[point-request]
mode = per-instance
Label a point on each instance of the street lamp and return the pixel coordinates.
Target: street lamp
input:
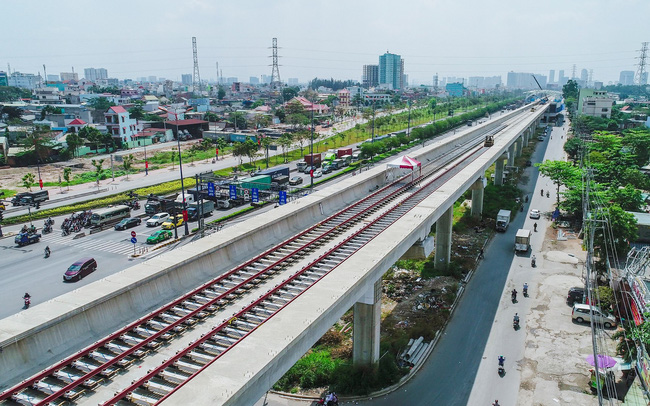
(180, 167)
(311, 149)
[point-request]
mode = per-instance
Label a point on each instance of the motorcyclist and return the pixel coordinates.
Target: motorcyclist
(514, 294)
(26, 296)
(516, 319)
(496, 403)
(541, 192)
(502, 360)
(47, 251)
(535, 227)
(49, 220)
(547, 194)
(525, 289)
(24, 229)
(533, 260)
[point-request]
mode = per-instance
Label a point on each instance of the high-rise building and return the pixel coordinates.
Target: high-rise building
(93, 74)
(4, 79)
(266, 79)
(152, 79)
(584, 75)
(370, 76)
(186, 79)
(292, 81)
(52, 78)
(65, 76)
(391, 71)
(626, 78)
(523, 80)
(561, 79)
(24, 80)
(551, 76)
(254, 80)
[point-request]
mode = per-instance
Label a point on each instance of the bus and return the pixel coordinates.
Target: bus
(110, 215)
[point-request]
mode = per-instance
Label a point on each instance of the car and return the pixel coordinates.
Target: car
(128, 223)
(318, 173)
(296, 180)
(327, 169)
(534, 214)
(157, 219)
(159, 236)
(540, 138)
(169, 223)
(584, 312)
(575, 294)
(529, 163)
(308, 169)
(80, 269)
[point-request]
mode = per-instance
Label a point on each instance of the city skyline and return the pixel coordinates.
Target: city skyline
(321, 40)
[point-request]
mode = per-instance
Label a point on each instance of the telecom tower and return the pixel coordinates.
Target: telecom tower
(275, 72)
(196, 81)
(641, 73)
(573, 74)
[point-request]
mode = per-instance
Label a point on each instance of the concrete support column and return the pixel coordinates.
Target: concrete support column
(477, 197)
(443, 239)
(518, 143)
(511, 155)
(524, 138)
(367, 321)
(498, 171)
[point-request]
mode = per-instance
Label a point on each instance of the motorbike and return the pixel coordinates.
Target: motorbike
(547, 194)
(502, 369)
(525, 290)
(541, 192)
(136, 205)
(513, 296)
(535, 227)
(47, 228)
(47, 252)
(27, 302)
(533, 262)
(515, 323)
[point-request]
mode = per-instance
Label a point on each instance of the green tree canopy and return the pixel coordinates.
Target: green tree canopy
(560, 173)
(100, 103)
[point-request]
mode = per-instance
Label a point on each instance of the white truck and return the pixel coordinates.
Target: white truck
(503, 219)
(522, 240)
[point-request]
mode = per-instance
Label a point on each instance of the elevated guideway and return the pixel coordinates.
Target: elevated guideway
(44, 334)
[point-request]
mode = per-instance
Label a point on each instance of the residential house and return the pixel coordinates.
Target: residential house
(120, 125)
(309, 106)
(344, 97)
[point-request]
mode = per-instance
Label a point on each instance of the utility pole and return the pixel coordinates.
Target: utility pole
(311, 149)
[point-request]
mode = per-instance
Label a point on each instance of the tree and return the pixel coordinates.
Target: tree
(289, 93)
(98, 168)
(100, 103)
(370, 149)
(627, 197)
(570, 90)
(560, 173)
(39, 141)
(221, 93)
(28, 181)
(612, 221)
(74, 141)
(301, 137)
(66, 176)
(573, 146)
(238, 119)
(11, 93)
(127, 163)
(13, 113)
(266, 143)
(251, 149)
(285, 142)
(136, 112)
(92, 135)
(239, 151)
(50, 110)
(433, 103)
(210, 116)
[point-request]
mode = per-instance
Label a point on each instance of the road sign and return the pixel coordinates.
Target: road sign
(211, 189)
(233, 191)
(134, 240)
(256, 195)
(247, 194)
(133, 234)
(283, 197)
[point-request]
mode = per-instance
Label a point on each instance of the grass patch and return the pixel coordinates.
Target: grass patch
(7, 193)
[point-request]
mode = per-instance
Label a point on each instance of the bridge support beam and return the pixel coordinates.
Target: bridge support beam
(498, 171)
(367, 321)
(524, 138)
(511, 155)
(477, 197)
(519, 148)
(421, 249)
(443, 239)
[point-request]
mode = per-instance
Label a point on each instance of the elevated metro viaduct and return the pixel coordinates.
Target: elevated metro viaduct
(46, 333)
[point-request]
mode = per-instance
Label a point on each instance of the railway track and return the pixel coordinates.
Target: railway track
(285, 268)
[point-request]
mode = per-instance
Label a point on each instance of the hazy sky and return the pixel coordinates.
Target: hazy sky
(332, 38)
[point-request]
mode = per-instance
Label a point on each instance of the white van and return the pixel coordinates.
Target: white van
(582, 313)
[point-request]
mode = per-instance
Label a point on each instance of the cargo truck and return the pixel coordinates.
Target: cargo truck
(262, 182)
(347, 159)
(313, 160)
(205, 209)
(503, 219)
(275, 172)
(30, 198)
(343, 152)
(280, 183)
(338, 164)
(329, 156)
(522, 240)
(158, 204)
